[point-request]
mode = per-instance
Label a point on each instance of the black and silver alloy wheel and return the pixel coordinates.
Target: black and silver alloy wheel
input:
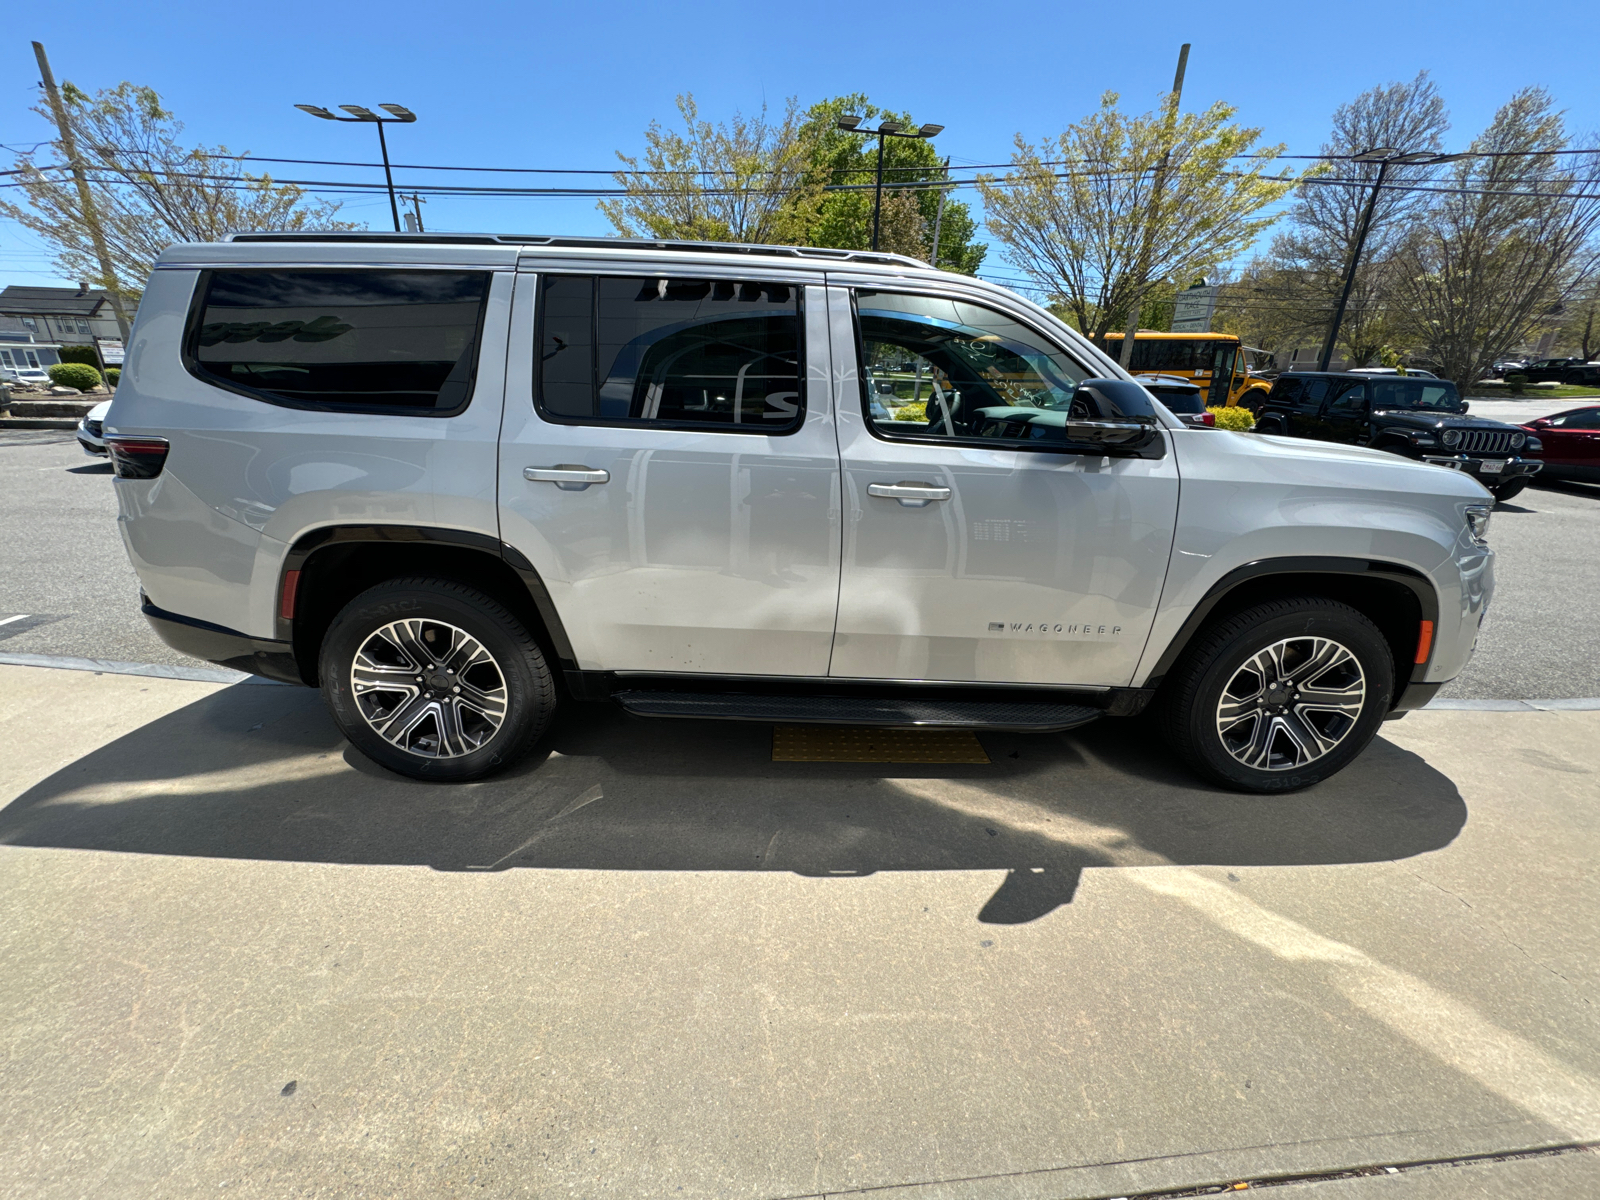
(1279, 696)
(428, 688)
(434, 679)
(1291, 703)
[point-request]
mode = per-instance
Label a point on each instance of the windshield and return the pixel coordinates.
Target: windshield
(1434, 395)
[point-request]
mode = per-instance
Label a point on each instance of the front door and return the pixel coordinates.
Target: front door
(980, 546)
(669, 466)
(1347, 417)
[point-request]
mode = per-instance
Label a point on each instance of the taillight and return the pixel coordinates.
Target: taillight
(1209, 418)
(137, 457)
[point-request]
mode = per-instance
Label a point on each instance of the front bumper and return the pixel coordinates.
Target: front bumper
(92, 438)
(1511, 468)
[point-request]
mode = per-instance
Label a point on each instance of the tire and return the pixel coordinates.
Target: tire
(483, 697)
(1504, 491)
(1300, 744)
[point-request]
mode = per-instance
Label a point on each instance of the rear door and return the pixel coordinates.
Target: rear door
(668, 464)
(980, 545)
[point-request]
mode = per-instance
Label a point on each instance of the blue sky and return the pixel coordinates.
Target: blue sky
(498, 84)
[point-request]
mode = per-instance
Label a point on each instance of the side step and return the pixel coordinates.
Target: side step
(892, 712)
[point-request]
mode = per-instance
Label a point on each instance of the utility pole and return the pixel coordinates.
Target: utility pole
(85, 201)
(413, 218)
(938, 217)
(1143, 283)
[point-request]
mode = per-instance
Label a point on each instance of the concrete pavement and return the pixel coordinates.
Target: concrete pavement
(651, 961)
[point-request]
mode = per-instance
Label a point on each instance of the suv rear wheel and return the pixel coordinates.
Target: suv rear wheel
(1280, 696)
(435, 680)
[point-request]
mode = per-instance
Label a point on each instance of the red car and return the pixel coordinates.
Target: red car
(1571, 444)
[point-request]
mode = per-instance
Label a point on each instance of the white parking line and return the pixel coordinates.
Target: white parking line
(18, 617)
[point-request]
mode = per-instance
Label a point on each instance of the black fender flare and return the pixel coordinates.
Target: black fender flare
(1409, 577)
(308, 543)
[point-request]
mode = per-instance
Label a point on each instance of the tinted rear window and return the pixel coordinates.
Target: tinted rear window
(364, 340)
(714, 354)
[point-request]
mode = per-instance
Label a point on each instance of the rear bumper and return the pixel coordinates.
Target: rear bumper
(222, 646)
(1514, 467)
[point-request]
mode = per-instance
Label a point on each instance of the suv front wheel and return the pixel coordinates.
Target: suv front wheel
(1280, 696)
(435, 680)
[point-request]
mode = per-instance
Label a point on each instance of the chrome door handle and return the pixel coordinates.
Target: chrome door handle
(566, 476)
(911, 495)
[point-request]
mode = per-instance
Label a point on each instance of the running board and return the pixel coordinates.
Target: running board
(892, 712)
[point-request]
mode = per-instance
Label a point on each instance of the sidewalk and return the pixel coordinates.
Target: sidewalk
(240, 960)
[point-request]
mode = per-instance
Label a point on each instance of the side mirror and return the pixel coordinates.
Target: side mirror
(1465, 407)
(1113, 412)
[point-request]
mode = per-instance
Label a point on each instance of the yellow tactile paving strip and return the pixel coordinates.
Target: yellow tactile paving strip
(842, 743)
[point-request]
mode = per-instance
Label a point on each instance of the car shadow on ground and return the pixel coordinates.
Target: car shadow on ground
(91, 468)
(259, 772)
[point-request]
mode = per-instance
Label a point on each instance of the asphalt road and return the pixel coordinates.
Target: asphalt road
(63, 565)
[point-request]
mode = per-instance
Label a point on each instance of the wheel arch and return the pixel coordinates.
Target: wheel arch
(327, 567)
(1395, 597)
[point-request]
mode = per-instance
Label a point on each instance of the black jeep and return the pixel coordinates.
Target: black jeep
(1419, 418)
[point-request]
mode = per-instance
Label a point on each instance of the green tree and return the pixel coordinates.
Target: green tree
(1116, 202)
(148, 190)
(1488, 262)
(1314, 255)
(838, 209)
(743, 180)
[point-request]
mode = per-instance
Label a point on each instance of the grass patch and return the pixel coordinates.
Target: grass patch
(1532, 391)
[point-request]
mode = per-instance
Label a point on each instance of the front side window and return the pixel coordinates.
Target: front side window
(949, 369)
(1437, 395)
(699, 353)
(1351, 400)
(351, 340)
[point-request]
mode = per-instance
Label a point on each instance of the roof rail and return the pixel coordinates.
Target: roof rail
(586, 243)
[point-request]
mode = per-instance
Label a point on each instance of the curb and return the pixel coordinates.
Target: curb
(104, 666)
(1587, 704)
(37, 423)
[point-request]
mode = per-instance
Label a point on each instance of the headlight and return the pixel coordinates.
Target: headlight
(1517, 439)
(1451, 437)
(1478, 522)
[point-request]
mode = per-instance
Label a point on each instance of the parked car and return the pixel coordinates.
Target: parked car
(1550, 370)
(457, 481)
(1585, 375)
(1571, 442)
(1410, 372)
(1183, 399)
(1425, 419)
(91, 430)
(32, 376)
(1504, 367)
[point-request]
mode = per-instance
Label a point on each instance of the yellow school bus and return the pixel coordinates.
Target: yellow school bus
(1215, 361)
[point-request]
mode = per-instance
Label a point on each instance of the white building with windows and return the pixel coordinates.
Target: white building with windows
(67, 316)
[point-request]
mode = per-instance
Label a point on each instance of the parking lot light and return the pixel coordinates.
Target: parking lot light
(885, 129)
(399, 115)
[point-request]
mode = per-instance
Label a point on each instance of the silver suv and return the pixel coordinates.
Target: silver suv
(456, 481)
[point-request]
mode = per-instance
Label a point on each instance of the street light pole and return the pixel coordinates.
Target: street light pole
(400, 115)
(885, 129)
(877, 190)
(388, 176)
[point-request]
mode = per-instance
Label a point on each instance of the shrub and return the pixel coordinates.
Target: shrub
(80, 354)
(113, 374)
(74, 375)
(1516, 383)
(1235, 418)
(911, 412)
